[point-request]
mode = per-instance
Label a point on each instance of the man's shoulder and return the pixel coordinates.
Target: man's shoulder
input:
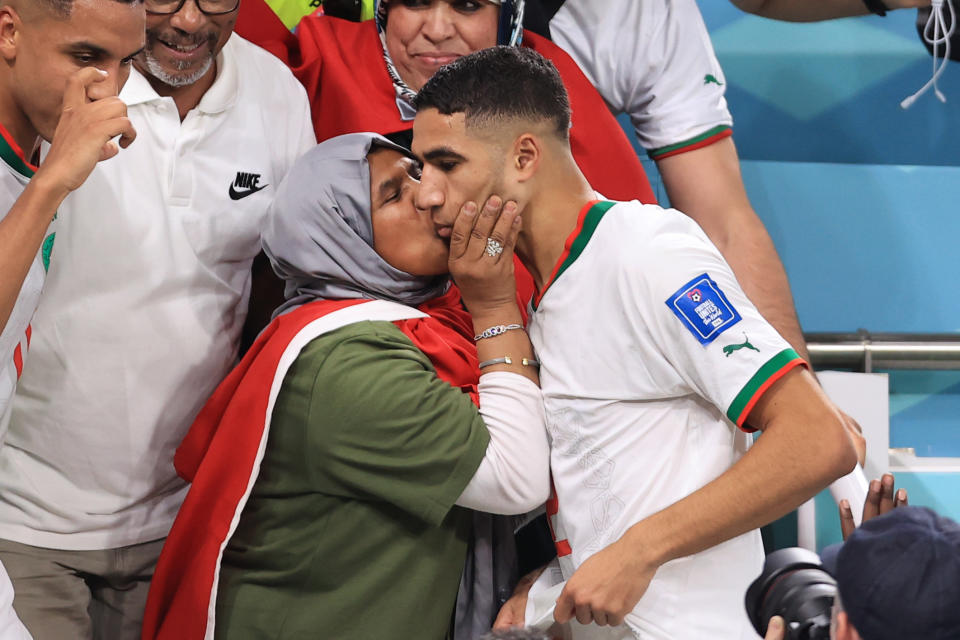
(245, 52)
(634, 222)
(645, 238)
(266, 85)
(259, 64)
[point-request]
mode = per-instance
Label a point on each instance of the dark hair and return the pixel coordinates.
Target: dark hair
(499, 82)
(64, 8)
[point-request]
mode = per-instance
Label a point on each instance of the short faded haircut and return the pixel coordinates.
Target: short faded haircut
(499, 83)
(63, 8)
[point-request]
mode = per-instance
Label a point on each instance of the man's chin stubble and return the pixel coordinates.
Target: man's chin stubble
(158, 71)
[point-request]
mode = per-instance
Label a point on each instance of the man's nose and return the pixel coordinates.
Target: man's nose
(189, 18)
(109, 86)
(428, 196)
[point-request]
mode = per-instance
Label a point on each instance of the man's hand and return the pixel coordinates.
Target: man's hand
(481, 255)
(607, 586)
(776, 629)
(856, 435)
(513, 612)
(880, 499)
(84, 133)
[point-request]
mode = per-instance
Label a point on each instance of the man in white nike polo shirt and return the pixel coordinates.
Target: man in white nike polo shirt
(141, 319)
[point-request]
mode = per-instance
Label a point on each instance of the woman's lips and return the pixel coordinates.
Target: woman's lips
(436, 58)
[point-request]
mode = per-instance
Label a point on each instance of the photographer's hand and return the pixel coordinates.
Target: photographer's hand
(880, 499)
(776, 629)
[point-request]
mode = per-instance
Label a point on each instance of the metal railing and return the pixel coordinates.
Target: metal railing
(865, 351)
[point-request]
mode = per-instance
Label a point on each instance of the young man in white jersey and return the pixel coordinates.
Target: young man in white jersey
(654, 365)
(63, 63)
(140, 319)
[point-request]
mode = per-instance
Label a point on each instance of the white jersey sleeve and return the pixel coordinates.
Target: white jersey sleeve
(653, 60)
(706, 326)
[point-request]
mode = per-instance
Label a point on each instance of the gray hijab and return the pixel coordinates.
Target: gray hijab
(319, 235)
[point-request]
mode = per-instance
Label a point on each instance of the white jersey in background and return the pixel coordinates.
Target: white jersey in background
(144, 305)
(653, 60)
(651, 356)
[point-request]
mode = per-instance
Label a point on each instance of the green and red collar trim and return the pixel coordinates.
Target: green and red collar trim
(590, 216)
(12, 154)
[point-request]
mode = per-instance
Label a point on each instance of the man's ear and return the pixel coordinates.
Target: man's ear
(10, 25)
(527, 155)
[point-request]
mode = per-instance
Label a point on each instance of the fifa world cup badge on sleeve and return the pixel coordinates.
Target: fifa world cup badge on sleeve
(703, 309)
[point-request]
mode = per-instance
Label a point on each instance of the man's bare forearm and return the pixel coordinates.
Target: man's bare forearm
(754, 260)
(803, 449)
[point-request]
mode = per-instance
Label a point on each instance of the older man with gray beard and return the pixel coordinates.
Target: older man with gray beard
(140, 320)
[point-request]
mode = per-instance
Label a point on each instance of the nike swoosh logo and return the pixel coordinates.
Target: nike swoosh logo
(239, 195)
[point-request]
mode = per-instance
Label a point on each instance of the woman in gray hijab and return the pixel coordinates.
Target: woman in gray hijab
(336, 471)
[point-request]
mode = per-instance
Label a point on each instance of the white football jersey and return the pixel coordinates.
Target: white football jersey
(651, 357)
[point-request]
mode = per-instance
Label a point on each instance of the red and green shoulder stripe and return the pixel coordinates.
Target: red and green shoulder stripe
(774, 369)
(705, 139)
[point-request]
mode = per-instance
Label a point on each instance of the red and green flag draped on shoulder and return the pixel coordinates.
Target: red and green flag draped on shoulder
(222, 452)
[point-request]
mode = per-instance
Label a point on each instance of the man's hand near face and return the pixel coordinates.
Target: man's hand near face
(82, 138)
(84, 134)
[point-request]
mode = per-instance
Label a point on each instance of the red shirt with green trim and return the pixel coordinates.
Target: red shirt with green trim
(651, 358)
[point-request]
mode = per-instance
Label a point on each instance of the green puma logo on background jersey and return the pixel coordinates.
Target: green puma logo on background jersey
(730, 348)
(707, 79)
(46, 250)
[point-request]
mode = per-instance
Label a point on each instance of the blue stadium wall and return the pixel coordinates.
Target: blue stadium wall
(861, 197)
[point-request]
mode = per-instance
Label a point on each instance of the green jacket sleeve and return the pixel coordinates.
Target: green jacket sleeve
(380, 425)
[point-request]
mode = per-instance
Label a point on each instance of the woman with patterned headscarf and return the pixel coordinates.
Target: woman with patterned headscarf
(334, 470)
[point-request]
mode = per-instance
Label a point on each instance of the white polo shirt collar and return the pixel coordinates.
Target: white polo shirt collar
(221, 95)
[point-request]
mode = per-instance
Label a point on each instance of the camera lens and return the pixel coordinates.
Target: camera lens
(795, 586)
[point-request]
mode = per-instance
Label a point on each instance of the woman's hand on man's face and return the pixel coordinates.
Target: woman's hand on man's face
(481, 255)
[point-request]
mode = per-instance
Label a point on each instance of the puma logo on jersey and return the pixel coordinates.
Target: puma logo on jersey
(245, 184)
(730, 348)
(707, 79)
